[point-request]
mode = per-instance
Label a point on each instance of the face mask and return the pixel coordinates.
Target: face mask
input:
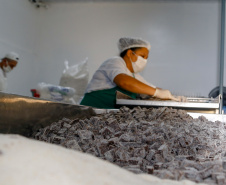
(7, 68)
(139, 65)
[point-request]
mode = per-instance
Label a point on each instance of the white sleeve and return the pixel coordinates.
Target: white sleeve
(140, 78)
(114, 67)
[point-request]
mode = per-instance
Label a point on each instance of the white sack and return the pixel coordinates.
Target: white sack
(29, 162)
(77, 77)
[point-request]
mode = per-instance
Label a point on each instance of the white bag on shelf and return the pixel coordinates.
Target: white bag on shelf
(77, 77)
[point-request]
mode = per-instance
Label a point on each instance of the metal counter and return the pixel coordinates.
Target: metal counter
(210, 117)
(201, 105)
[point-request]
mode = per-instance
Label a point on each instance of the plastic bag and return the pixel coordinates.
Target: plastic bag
(54, 92)
(77, 77)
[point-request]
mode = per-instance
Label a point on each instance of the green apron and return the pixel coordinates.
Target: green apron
(104, 99)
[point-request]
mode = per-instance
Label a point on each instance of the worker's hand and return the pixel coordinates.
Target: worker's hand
(164, 94)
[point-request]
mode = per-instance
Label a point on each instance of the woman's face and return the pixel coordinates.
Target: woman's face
(143, 52)
(10, 62)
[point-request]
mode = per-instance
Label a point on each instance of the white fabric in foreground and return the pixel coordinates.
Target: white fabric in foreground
(29, 162)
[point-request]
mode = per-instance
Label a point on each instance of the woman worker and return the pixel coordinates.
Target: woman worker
(122, 74)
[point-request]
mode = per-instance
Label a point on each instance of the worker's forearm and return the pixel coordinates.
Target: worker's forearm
(133, 85)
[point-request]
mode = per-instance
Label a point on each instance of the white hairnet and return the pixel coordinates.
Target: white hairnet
(128, 42)
(12, 56)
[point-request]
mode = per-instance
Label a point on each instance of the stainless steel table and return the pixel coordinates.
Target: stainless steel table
(201, 105)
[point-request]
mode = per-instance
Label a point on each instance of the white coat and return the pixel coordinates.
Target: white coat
(103, 78)
(3, 81)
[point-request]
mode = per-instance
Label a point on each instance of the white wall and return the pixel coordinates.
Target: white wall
(19, 30)
(184, 37)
